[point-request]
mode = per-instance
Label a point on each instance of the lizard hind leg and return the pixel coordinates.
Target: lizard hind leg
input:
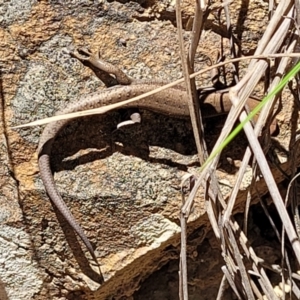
(134, 118)
(101, 68)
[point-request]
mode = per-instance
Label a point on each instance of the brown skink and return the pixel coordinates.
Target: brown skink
(172, 101)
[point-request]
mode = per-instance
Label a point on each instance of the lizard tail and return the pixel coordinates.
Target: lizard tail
(47, 177)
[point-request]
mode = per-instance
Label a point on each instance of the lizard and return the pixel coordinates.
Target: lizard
(172, 101)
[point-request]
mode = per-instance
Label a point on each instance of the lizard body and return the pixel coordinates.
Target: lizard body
(172, 101)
